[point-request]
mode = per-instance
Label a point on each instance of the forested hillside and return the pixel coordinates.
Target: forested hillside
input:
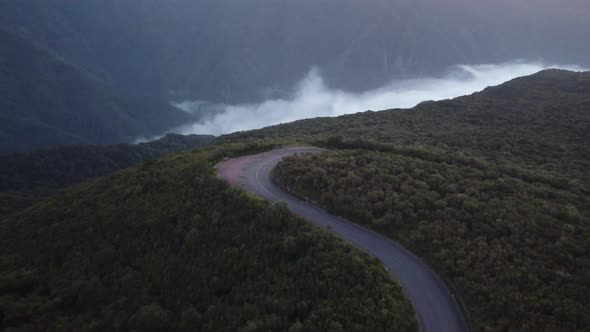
(168, 247)
(27, 178)
(513, 246)
(491, 189)
(47, 101)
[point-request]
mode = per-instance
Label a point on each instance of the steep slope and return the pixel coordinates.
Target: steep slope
(27, 178)
(46, 101)
(168, 247)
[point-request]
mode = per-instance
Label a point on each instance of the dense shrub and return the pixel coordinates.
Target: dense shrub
(515, 249)
(167, 246)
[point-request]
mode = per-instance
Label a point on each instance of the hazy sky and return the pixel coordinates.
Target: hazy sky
(313, 98)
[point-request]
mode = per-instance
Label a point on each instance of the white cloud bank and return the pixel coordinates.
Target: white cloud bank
(313, 98)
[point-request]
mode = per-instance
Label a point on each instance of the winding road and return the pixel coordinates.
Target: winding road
(436, 307)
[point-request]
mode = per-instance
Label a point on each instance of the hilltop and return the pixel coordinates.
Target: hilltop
(538, 122)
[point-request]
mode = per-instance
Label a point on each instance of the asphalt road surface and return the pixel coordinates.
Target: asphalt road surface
(436, 307)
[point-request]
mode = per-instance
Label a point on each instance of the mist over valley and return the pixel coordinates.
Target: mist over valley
(312, 98)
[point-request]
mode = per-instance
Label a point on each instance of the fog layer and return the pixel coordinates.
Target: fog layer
(312, 98)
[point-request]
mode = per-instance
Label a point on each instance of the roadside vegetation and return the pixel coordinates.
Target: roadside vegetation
(514, 247)
(166, 246)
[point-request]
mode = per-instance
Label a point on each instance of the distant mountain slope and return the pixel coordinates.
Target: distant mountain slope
(167, 246)
(26, 178)
(104, 71)
(46, 101)
(233, 50)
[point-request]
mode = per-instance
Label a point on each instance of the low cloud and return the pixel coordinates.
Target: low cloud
(312, 98)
